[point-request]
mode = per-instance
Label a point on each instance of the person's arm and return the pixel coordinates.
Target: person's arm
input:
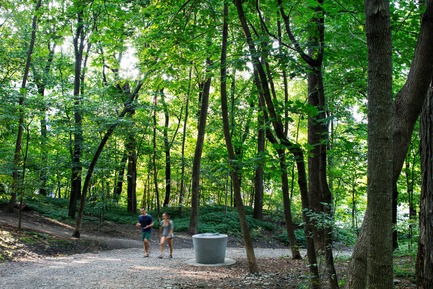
(149, 226)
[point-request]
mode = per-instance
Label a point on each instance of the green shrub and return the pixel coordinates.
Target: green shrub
(300, 237)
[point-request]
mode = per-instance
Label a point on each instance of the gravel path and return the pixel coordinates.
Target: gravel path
(123, 268)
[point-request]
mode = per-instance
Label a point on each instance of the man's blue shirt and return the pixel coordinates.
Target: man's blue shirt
(145, 221)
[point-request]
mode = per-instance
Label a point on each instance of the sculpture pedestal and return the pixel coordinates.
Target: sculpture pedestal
(210, 248)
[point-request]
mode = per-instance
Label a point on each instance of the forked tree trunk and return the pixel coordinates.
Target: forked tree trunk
(262, 84)
(406, 109)
(408, 102)
(128, 109)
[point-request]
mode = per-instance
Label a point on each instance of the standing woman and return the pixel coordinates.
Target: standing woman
(167, 228)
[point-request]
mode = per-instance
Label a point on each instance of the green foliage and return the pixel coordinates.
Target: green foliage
(212, 219)
(405, 263)
(300, 237)
(344, 235)
(165, 46)
(56, 208)
(218, 219)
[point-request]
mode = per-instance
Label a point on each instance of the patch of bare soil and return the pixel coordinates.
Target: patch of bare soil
(274, 273)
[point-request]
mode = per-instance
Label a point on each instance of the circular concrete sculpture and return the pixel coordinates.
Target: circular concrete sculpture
(209, 248)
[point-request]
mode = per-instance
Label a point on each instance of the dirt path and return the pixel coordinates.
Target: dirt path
(126, 268)
(117, 260)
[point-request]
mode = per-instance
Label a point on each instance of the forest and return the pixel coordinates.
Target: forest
(319, 112)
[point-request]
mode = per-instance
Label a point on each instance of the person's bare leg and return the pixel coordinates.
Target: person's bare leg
(170, 244)
(161, 246)
(146, 247)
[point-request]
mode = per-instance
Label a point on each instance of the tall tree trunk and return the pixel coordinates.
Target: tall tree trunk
(132, 172)
(258, 180)
(41, 82)
(120, 176)
(424, 263)
(43, 175)
(195, 195)
(155, 169)
(232, 158)
(21, 197)
(379, 228)
(287, 205)
(410, 180)
(77, 166)
(319, 193)
(379, 191)
(406, 109)
(408, 102)
(128, 109)
(167, 147)
(286, 195)
(185, 121)
(266, 98)
(17, 177)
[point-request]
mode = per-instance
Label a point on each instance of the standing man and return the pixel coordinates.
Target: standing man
(145, 222)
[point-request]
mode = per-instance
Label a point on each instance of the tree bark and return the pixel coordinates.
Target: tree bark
(77, 166)
(319, 193)
(41, 83)
(406, 109)
(424, 263)
(195, 194)
(129, 107)
(378, 222)
(284, 189)
(266, 98)
(258, 181)
(155, 169)
(408, 102)
(120, 175)
(379, 190)
(232, 158)
(287, 206)
(17, 181)
(167, 147)
(132, 171)
(185, 122)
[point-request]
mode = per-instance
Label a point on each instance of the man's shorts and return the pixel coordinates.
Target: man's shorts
(145, 235)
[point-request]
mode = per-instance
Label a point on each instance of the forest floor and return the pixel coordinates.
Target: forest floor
(108, 255)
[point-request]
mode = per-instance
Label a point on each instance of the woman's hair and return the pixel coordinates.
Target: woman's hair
(168, 216)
